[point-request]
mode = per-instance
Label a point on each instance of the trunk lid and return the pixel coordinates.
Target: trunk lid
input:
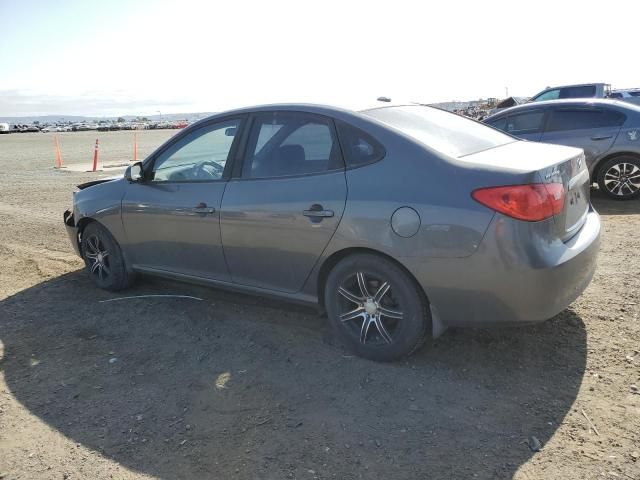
(574, 176)
(530, 162)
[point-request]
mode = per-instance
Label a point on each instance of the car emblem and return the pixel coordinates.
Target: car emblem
(633, 135)
(552, 173)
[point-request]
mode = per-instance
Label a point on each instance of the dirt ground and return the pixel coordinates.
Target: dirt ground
(239, 387)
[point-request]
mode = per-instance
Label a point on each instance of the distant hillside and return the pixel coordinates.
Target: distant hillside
(44, 119)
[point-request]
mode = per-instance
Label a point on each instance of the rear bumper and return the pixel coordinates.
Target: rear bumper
(72, 231)
(516, 276)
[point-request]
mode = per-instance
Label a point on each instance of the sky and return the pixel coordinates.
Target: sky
(120, 57)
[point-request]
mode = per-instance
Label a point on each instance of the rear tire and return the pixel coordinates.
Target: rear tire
(376, 308)
(103, 258)
(619, 177)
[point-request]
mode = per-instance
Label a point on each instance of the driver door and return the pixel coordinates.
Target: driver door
(172, 218)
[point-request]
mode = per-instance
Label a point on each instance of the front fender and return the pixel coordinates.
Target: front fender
(102, 202)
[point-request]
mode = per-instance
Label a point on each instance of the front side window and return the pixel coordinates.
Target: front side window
(290, 143)
(549, 95)
(200, 156)
(580, 119)
(530, 122)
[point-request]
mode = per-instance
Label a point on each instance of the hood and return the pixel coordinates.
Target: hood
(82, 186)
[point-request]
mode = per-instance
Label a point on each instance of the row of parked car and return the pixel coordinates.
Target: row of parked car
(607, 129)
(83, 127)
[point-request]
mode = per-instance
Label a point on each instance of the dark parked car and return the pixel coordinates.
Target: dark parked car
(607, 130)
(399, 221)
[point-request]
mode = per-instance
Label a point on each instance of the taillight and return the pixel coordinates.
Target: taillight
(531, 202)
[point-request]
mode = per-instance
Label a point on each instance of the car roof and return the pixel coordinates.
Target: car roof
(569, 102)
(340, 112)
(576, 85)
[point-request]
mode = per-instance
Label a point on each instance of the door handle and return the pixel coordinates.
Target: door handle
(316, 211)
(202, 208)
(601, 137)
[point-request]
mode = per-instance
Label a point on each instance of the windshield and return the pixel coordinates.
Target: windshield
(445, 132)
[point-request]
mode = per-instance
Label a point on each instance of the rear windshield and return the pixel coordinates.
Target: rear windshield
(445, 132)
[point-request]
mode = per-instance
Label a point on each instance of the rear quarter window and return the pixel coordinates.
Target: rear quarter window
(499, 123)
(442, 131)
(358, 147)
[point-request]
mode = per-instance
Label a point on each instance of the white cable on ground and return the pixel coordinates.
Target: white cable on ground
(149, 296)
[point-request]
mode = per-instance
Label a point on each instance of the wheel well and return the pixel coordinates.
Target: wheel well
(336, 257)
(596, 170)
(82, 224)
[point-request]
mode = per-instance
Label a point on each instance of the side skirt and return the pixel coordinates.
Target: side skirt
(299, 298)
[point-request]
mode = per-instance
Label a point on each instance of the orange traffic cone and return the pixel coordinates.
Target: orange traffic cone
(56, 145)
(95, 158)
(135, 146)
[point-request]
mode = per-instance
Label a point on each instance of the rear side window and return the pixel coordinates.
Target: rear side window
(290, 143)
(316, 139)
(580, 119)
(445, 132)
(358, 147)
(586, 91)
(529, 122)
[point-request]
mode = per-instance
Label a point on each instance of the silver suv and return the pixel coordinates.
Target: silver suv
(607, 130)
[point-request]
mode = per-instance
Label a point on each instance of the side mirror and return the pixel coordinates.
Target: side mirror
(133, 173)
(230, 131)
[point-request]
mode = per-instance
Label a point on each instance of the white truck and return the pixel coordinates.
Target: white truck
(585, 90)
(4, 128)
(588, 90)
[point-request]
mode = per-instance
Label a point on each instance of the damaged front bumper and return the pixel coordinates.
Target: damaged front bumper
(72, 231)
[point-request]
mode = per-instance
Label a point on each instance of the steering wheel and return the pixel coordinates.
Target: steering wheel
(208, 169)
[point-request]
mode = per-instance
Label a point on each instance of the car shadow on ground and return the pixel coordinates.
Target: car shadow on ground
(234, 386)
(608, 206)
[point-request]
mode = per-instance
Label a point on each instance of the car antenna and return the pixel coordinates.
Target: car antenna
(384, 99)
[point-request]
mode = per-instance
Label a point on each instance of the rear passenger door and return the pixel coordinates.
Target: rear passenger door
(285, 201)
(593, 129)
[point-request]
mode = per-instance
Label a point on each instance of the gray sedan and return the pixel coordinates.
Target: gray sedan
(398, 221)
(607, 130)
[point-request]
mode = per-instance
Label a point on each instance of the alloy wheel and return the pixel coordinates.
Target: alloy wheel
(622, 179)
(369, 309)
(98, 257)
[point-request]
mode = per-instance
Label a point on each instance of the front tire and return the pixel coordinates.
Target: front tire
(376, 308)
(619, 177)
(103, 258)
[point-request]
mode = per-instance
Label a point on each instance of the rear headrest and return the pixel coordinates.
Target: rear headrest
(288, 157)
